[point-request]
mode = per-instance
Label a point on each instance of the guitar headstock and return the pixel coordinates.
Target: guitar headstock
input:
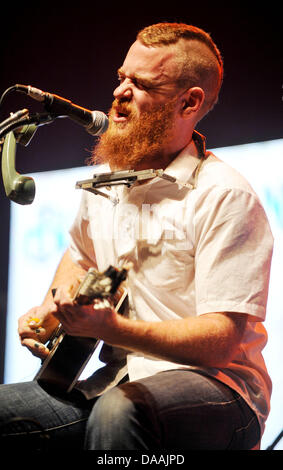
(101, 284)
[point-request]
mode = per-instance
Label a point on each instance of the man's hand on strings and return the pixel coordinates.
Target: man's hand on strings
(91, 321)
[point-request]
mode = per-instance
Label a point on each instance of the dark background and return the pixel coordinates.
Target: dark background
(74, 50)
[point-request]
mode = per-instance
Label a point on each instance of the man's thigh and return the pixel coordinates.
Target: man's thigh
(179, 409)
(28, 415)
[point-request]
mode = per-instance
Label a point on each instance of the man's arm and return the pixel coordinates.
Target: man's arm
(34, 335)
(209, 340)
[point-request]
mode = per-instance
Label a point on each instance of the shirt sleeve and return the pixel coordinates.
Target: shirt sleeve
(233, 253)
(81, 246)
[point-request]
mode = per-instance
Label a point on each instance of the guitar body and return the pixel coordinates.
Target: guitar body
(69, 355)
(67, 359)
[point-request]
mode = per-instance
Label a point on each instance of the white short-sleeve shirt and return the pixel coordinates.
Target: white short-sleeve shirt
(200, 245)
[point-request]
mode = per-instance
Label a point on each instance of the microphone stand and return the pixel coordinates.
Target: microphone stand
(275, 442)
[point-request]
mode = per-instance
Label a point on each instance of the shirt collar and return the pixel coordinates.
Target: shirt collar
(184, 165)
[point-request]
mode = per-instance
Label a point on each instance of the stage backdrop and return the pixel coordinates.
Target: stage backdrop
(39, 235)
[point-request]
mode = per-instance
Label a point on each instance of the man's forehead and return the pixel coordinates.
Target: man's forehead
(156, 62)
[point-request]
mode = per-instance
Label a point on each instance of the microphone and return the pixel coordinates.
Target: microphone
(95, 122)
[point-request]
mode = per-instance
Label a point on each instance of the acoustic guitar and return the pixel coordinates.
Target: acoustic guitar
(69, 355)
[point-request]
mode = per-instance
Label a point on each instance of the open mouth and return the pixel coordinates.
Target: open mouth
(120, 113)
(120, 116)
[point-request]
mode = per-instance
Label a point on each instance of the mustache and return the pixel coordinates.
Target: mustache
(122, 108)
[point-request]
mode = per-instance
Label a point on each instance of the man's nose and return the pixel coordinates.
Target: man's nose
(123, 90)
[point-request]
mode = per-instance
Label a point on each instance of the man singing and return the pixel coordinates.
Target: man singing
(184, 367)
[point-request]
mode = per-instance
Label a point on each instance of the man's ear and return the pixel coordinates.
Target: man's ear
(192, 101)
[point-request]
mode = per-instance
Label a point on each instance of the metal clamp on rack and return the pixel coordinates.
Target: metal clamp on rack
(114, 178)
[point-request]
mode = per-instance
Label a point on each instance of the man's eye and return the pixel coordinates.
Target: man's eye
(140, 85)
(137, 84)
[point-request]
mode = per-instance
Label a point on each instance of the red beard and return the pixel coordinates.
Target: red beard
(126, 144)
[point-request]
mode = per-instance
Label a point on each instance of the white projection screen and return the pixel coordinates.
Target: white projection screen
(39, 235)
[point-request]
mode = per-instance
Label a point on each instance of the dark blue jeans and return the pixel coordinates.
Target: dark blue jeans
(178, 409)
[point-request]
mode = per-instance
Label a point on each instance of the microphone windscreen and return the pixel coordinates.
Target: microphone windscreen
(99, 124)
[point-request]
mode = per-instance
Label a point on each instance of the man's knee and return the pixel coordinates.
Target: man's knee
(112, 408)
(119, 420)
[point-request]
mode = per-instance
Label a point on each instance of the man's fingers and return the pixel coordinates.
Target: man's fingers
(38, 334)
(35, 347)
